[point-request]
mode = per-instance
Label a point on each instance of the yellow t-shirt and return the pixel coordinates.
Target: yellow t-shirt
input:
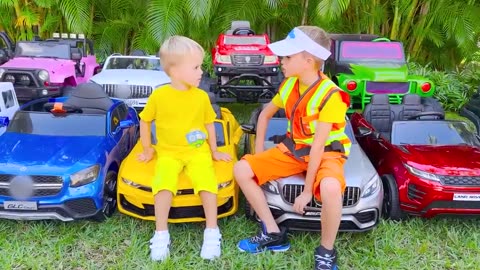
(180, 118)
(333, 111)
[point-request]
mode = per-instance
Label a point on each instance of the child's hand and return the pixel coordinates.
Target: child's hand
(146, 155)
(301, 202)
(217, 156)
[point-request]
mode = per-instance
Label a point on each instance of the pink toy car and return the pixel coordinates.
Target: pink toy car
(50, 68)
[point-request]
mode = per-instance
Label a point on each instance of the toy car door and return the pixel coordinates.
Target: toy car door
(8, 102)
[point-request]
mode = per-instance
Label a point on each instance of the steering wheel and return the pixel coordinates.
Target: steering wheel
(418, 115)
(50, 106)
(243, 29)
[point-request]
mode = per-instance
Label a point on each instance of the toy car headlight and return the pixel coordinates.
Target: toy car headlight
(372, 186)
(270, 59)
(422, 174)
(43, 75)
(224, 59)
(1, 72)
(84, 176)
(270, 187)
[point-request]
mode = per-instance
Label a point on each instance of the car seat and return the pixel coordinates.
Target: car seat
(90, 98)
(379, 114)
(411, 106)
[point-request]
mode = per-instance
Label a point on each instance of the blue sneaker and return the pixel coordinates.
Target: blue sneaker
(325, 259)
(277, 242)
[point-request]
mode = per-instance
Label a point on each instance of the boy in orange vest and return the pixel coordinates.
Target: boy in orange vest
(185, 135)
(316, 143)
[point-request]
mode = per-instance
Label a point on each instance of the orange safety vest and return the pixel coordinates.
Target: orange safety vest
(303, 112)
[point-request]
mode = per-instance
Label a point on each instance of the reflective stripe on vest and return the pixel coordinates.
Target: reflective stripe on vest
(314, 104)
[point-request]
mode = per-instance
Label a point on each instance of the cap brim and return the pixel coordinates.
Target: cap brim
(284, 48)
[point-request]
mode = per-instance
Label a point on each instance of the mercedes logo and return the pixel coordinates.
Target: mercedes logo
(21, 187)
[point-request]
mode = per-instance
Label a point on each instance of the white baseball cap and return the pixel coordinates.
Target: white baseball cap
(297, 41)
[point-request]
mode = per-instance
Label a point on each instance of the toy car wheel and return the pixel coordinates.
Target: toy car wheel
(109, 197)
(391, 203)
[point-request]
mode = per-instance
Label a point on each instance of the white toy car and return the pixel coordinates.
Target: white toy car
(8, 104)
(132, 78)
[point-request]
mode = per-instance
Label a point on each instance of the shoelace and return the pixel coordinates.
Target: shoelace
(259, 237)
(326, 260)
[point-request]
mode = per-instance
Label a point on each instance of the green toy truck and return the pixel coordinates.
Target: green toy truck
(365, 65)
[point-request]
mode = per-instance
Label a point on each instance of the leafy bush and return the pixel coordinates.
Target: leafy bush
(453, 88)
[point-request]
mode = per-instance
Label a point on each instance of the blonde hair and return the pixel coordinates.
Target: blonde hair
(319, 36)
(177, 48)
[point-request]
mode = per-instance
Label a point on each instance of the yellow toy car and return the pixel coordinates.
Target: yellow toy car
(134, 193)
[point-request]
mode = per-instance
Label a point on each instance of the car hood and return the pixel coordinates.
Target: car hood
(48, 64)
(143, 172)
(460, 159)
(152, 78)
(380, 72)
(35, 153)
(358, 170)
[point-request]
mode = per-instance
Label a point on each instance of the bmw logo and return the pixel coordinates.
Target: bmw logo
(21, 187)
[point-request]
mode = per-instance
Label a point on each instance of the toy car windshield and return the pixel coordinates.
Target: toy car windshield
(433, 133)
(134, 63)
(356, 51)
(42, 49)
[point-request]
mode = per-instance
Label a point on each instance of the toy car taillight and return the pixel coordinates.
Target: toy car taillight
(426, 87)
(351, 85)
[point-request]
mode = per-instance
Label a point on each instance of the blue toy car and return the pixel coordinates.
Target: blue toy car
(59, 157)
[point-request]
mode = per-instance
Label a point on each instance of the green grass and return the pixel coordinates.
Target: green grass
(122, 243)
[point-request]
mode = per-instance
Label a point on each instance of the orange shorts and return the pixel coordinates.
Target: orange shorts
(273, 164)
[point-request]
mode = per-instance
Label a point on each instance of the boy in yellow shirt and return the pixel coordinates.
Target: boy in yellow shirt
(186, 139)
(316, 143)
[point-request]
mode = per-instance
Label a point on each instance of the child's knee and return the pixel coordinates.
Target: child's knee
(242, 171)
(330, 187)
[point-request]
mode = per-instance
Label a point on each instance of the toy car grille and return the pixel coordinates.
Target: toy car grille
(387, 87)
(41, 185)
(19, 79)
(455, 180)
(136, 91)
(350, 197)
(247, 60)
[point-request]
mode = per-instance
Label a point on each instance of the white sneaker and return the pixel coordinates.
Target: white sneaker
(211, 244)
(160, 246)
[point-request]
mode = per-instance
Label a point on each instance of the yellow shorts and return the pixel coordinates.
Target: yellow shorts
(198, 167)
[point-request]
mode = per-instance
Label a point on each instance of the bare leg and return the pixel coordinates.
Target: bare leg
(254, 194)
(163, 201)
(330, 191)
(209, 201)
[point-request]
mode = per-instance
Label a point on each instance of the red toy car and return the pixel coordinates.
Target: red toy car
(246, 69)
(428, 165)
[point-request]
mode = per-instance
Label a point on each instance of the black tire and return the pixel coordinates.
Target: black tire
(109, 197)
(391, 203)
(67, 90)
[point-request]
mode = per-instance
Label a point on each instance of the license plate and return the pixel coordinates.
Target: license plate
(19, 205)
(466, 197)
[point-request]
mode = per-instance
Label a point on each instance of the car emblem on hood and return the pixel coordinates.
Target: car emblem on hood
(247, 59)
(21, 187)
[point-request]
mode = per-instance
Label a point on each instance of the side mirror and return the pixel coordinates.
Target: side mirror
(363, 131)
(4, 121)
(97, 70)
(248, 128)
(76, 56)
(124, 124)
